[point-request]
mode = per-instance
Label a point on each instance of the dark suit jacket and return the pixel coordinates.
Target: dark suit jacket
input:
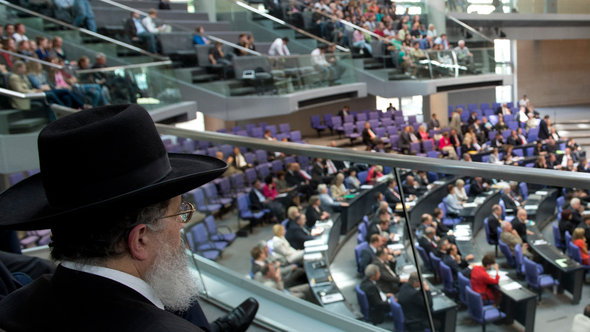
(455, 267)
(317, 173)
(367, 138)
(475, 189)
(510, 204)
(576, 218)
(366, 257)
(454, 140)
(78, 301)
(255, 203)
(388, 282)
(404, 141)
(514, 141)
(312, 215)
(390, 197)
(428, 246)
(130, 29)
(377, 307)
(543, 130)
(520, 228)
(413, 191)
(296, 236)
(493, 224)
(412, 303)
(294, 179)
(373, 229)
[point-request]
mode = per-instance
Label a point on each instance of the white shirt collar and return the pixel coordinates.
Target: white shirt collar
(126, 279)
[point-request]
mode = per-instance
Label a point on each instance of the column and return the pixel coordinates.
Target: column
(436, 14)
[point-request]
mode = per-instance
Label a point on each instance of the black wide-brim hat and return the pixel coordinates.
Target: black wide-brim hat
(98, 163)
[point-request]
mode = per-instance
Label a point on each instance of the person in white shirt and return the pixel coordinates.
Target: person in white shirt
(460, 193)
(281, 246)
(279, 47)
(149, 22)
(320, 63)
(431, 31)
(524, 102)
(19, 33)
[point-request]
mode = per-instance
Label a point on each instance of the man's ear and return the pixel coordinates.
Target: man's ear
(137, 242)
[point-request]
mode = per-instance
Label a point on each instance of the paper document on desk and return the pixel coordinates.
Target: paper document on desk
(313, 257)
(502, 274)
(324, 224)
(331, 298)
(396, 246)
(479, 200)
(367, 186)
(539, 242)
(463, 238)
(281, 195)
(470, 205)
(511, 286)
(561, 262)
(313, 243)
(530, 207)
(541, 193)
(316, 248)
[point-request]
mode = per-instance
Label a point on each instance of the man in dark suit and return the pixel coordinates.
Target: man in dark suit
(472, 118)
(136, 31)
(514, 139)
(314, 212)
(477, 187)
(369, 137)
(344, 112)
(510, 200)
(318, 173)
(544, 132)
(412, 187)
(411, 300)
(123, 263)
(368, 254)
(494, 221)
(382, 224)
(295, 179)
(428, 241)
(259, 202)
(297, 234)
(433, 123)
(378, 300)
(391, 196)
(389, 282)
(405, 140)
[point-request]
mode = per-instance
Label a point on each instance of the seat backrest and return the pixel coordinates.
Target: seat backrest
(568, 237)
(199, 233)
(211, 225)
(556, 235)
(361, 117)
(284, 128)
(487, 230)
(243, 205)
(199, 197)
(363, 302)
(210, 191)
(261, 156)
(250, 175)
(531, 272)
(463, 282)
(446, 275)
(474, 304)
(518, 257)
(574, 252)
(362, 229)
(398, 316)
(237, 181)
(424, 256)
(506, 251)
(362, 176)
(250, 157)
(435, 261)
(524, 190)
(357, 255)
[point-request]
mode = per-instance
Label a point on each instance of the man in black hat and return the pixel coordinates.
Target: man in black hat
(111, 195)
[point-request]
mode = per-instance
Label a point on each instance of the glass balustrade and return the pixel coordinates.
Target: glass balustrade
(485, 7)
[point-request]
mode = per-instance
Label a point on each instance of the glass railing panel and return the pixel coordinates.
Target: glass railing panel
(443, 64)
(485, 7)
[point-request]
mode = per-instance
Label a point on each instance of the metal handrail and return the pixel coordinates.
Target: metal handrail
(131, 9)
(462, 168)
(20, 95)
(136, 65)
(85, 31)
(468, 27)
(290, 26)
(28, 58)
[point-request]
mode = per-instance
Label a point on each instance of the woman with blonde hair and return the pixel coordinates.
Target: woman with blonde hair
(579, 239)
(460, 193)
(337, 188)
(281, 246)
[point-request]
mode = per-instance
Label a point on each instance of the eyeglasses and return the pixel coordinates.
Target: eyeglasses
(186, 212)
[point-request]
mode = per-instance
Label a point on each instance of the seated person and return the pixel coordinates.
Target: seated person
(510, 199)
(382, 225)
(238, 160)
(259, 202)
(481, 280)
(328, 202)
(441, 229)
(391, 195)
(412, 187)
(352, 181)
(519, 224)
(453, 260)
(389, 282)
(369, 137)
(494, 221)
(478, 186)
(411, 299)
(428, 241)
(337, 188)
(375, 172)
(281, 246)
(270, 275)
(460, 193)
(297, 233)
(378, 301)
(453, 205)
(368, 254)
(579, 241)
(136, 31)
(511, 237)
(315, 212)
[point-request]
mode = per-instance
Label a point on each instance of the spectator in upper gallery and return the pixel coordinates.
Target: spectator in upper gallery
(481, 280)
(524, 102)
(503, 109)
(498, 141)
(433, 123)
(477, 187)
(443, 41)
(19, 82)
(279, 47)
(514, 139)
(405, 140)
(269, 190)
(137, 32)
(19, 33)
(544, 128)
(566, 224)
(345, 111)
(567, 157)
(38, 79)
(468, 145)
(583, 166)
(23, 47)
(463, 55)
(259, 202)
(446, 146)
(8, 31)
(271, 276)
(523, 117)
(551, 147)
(369, 137)
(238, 160)
(431, 31)
(455, 138)
(42, 50)
(84, 16)
(199, 37)
(149, 22)
(426, 43)
(359, 39)
(456, 120)
(244, 42)
(56, 50)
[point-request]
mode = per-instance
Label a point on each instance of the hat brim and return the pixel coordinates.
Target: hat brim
(24, 206)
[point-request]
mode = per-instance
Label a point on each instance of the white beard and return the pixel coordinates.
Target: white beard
(172, 280)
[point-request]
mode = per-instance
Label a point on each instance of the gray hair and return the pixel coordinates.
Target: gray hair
(371, 270)
(322, 188)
